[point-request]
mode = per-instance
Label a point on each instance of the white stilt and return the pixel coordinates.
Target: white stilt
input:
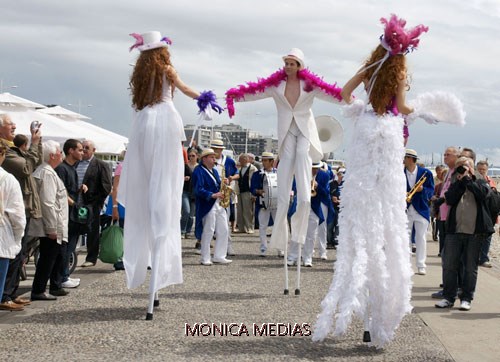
(153, 294)
(286, 269)
(299, 262)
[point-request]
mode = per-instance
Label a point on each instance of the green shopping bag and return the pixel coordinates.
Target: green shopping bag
(111, 249)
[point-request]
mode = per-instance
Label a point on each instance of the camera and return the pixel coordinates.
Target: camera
(35, 126)
(461, 170)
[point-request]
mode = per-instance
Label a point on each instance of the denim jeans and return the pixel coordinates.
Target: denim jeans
(466, 248)
(4, 266)
(485, 249)
(187, 213)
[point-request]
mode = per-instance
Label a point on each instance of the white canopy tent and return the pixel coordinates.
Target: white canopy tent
(58, 129)
(63, 113)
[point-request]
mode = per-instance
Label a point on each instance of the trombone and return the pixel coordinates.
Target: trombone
(411, 193)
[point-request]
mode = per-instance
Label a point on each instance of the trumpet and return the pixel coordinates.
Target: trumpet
(411, 193)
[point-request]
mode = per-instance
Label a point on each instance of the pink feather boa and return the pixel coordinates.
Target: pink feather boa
(311, 79)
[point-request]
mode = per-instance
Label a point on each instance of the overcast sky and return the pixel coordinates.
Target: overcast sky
(76, 52)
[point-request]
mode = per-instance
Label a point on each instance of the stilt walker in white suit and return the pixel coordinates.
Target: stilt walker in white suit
(293, 89)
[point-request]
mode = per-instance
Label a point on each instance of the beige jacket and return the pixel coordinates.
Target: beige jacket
(54, 202)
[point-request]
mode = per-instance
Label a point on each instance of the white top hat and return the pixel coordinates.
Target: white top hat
(217, 144)
(296, 54)
(150, 40)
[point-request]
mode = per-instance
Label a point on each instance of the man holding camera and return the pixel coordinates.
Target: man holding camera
(467, 224)
(21, 164)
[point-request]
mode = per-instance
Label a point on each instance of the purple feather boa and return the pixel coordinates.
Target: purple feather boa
(208, 98)
(311, 81)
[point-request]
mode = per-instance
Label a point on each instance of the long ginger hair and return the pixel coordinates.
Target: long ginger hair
(146, 83)
(386, 85)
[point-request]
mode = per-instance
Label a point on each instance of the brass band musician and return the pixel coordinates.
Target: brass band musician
(420, 188)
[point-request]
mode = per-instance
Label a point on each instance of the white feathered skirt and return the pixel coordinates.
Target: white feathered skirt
(151, 190)
(372, 274)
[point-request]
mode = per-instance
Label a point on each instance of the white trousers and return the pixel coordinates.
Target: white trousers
(314, 231)
(421, 224)
(214, 221)
(294, 161)
(264, 217)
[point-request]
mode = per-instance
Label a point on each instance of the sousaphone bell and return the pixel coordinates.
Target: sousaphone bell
(330, 133)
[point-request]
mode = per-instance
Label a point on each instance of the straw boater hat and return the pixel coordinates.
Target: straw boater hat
(296, 54)
(267, 156)
(317, 164)
(217, 144)
(207, 152)
(411, 153)
(150, 40)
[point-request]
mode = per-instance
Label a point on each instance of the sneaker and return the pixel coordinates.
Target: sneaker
(323, 256)
(281, 253)
(464, 305)
(76, 280)
(291, 262)
(308, 264)
(437, 295)
(222, 261)
(444, 303)
(70, 284)
(87, 264)
(206, 263)
(421, 271)
(486, 264)
(198, 251)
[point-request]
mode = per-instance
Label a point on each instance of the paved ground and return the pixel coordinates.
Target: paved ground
(103, 320)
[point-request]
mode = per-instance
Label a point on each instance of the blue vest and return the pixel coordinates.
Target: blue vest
(322, 197)
(420, 200)
(204, 187)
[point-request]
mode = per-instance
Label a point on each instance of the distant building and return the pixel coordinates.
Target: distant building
(235, 137)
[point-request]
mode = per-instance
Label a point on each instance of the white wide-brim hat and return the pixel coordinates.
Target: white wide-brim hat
(217, 144)
(150, 40)
(207, 152)
(267, 156)
(296, 54)
(411, 153)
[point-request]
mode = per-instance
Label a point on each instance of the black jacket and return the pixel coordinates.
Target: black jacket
(479, 189)
(98, 180)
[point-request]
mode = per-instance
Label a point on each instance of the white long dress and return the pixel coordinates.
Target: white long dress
(372, 277)
(151, 190)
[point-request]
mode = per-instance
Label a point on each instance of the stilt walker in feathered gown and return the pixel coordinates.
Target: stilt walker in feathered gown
(153, 172)
(372, 278)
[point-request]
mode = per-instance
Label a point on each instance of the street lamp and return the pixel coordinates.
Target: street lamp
(8, 86)
(79, 106)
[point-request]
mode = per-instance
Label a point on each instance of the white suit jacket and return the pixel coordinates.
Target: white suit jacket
(301, 112)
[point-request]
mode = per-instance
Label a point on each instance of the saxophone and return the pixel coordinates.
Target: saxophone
(225, 189)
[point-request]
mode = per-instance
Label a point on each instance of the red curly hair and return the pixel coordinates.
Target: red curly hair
(390, 74)
(146, 83)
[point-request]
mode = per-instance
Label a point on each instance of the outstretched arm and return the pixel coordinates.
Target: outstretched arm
(183, 87)
(350, 86)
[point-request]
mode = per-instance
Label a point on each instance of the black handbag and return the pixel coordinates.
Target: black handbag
(81, 214)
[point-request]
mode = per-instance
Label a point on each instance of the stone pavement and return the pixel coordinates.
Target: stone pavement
(103, 320)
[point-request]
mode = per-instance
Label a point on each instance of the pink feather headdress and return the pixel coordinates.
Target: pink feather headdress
(396, 39)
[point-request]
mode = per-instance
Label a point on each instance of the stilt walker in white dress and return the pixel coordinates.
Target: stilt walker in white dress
(372, 278)
(152, 177)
